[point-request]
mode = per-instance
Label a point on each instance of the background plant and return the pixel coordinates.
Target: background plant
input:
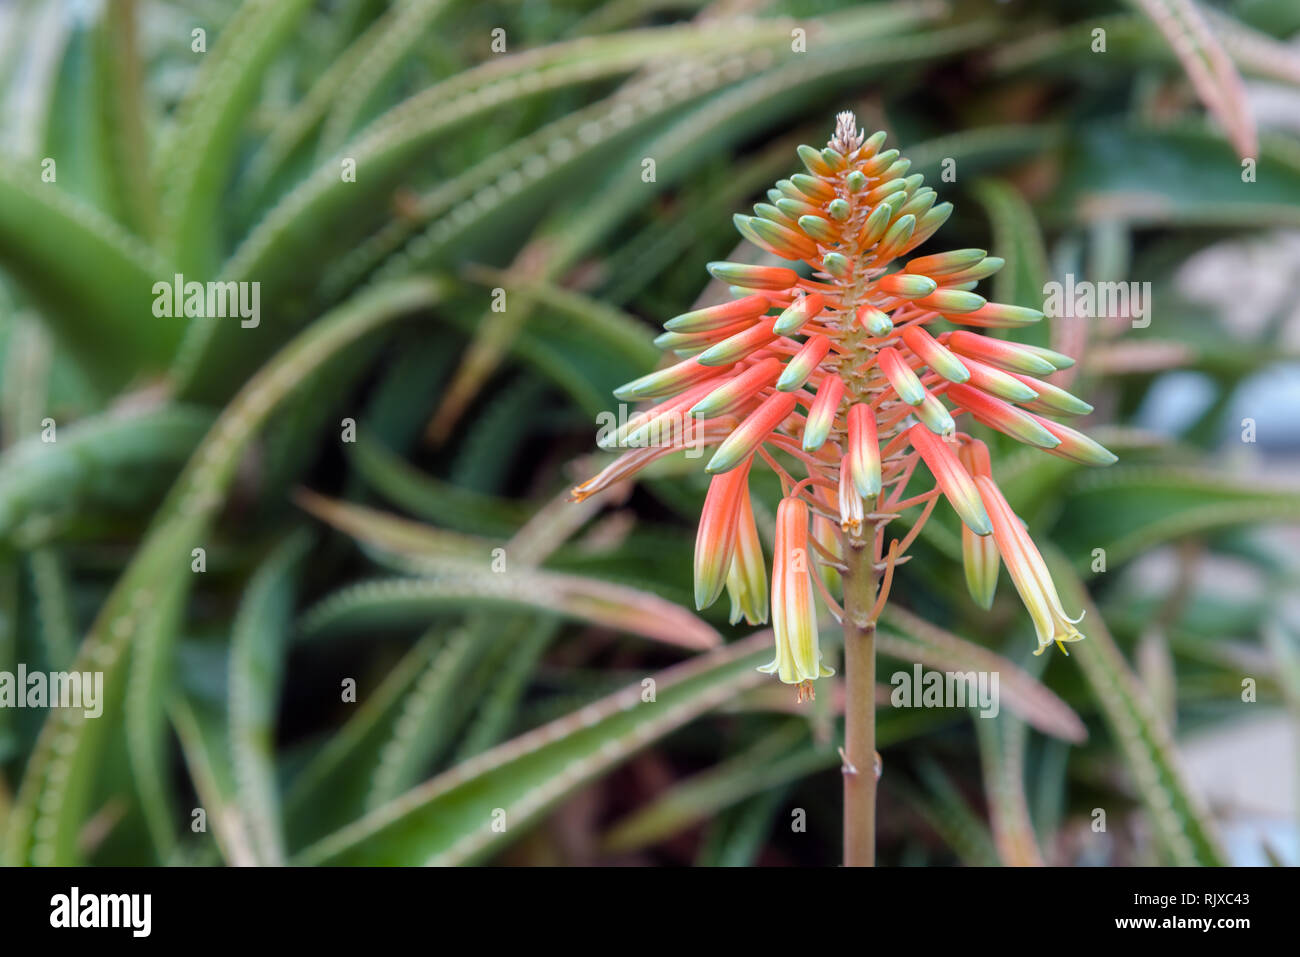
(373, 560)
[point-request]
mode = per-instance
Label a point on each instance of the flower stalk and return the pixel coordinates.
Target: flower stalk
(859, 768)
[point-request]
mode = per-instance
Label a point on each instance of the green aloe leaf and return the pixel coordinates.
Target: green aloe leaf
(1002, 755)
(1176, 175)
(450, 819)
(352, 76)
(90, 279)
(258, 644)
(433, 499)
(122, 117)
(465, 574)
(910, 638)
(136, 616)
(331, 788)
(777, 759)
(385, 152)
(407, 602)
(1127, 510)
(201, 149)
(1183, 827)
(203, 732)
(945, 808)
(106, 460)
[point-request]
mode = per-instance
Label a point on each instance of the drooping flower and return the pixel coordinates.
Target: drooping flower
(848, 371)
(794, 619)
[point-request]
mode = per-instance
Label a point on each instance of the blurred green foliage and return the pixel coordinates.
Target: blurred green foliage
(503, 715)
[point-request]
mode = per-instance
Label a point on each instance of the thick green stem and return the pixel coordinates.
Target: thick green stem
(859, 707)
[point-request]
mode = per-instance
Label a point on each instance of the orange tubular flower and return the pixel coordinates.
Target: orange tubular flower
(794, 620)
(843, 370)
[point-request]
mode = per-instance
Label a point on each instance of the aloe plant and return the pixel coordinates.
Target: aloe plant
(318, 543)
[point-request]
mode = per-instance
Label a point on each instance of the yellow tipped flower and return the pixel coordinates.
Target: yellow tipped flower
(841, 370)
(979, 553)
(715, 539)
(747, 579)
(1028, 571)
(794, 618)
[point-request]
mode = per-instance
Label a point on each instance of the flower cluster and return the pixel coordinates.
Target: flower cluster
(843, 373)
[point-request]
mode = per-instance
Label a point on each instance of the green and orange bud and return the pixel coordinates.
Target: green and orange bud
(995, 382)
(951, 301)
(795, 208)
(734, 348)
(648, 427)
(799, 312)
(814, 161)
(1005, 418)
(735, 393)
(751, 433)
(1051, 399)
(753, 277)
(777, 239)
(717, 317)
(876, 224)
(666, 382)
(906, 285)
(1057, 359)
(818, 229)
(816, 189)
(933, 354)
(863, 456)
(880, 163)
(900, 376)
(1074, 445)
(996, 315)
(945, 264)
(919, 204)
(692, 343)
(870, 146)
(822, 413)
(951, 478)
(896, 238)
(973, 274)
(1008, 356)
(773, 214)
(804, 364)
(837, 265)
(794, 617)
(834, 159)
(935, 416)
(877, 323)
(886, 188)
(929, 224)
